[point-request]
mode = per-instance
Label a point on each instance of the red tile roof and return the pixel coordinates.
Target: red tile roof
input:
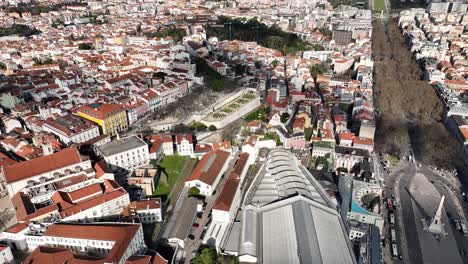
(122, 234)
(43, 254)
(101, 168)
(209, 167)
(203, 148)
(241, 162)
(86, 192)
(18, 227)
(23, 170)
(138, 260)
(226, 197)
(363, 141)
(158, 259)
(225, 145)
(101, 111)
(180, 137)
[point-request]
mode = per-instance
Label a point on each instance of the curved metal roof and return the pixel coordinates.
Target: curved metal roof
(281, 176)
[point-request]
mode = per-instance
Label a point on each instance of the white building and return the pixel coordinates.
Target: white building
(184, 145)
(34, 175)
(126, 153)
(148, 211)
(5, 255)
(71, 129)
(105, 242)
(226, 205)
(206, 175)
(76, 200)
(346, 157)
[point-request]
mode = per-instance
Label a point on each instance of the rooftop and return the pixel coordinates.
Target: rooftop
(209, 167)
(122, 145)
(23, 170)
(295, 230)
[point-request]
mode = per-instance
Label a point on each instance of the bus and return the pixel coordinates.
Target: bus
(392, 218)
(393, 235)
(394, 250)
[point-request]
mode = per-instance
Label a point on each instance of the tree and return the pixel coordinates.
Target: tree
(317, 69)
(193, 191)
(258, 64)
(206, 256)
(198, 126)
(85, 46)
(274, 63)
(217, 85)
(212, 128)
(284, 117)
(2, 66)
(138, 28)
(160, 75)
(369, 201)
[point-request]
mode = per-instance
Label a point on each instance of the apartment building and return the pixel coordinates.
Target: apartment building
(76, 243)
(36, 176)
(71, 129)
(126, 153)
(110, 118)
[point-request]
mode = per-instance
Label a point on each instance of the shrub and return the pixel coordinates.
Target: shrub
(212, 128)
(193, 191)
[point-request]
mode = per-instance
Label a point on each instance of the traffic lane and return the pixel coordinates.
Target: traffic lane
(393, 177)
(409, 225)
(452, 214)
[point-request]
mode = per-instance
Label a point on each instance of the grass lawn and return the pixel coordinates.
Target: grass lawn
(379, 5)
(255, 115)
(170, 167)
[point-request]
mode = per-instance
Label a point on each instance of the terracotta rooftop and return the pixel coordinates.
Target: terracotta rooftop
(226, 197)
(122, 234)
(23, 170)
(209, 167)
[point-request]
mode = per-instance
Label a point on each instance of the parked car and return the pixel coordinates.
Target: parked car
(195, 225)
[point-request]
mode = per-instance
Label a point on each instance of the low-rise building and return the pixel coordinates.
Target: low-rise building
(34, 176)
(145, 179)
(6, 256)
(71, 128)
(208, 171)
(76, 243)
(348, 157)
(76, 199)
(109, 117)
(184, 145)
(160, 139)
(147, 211)
(126, 153)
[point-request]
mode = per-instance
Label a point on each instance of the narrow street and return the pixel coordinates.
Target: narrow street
(193, 245)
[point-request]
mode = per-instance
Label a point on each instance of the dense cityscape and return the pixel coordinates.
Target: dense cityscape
(268, 131)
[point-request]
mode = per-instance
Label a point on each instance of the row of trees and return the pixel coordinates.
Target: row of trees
(253, 30)
(18, 29)
(215, 80)
(34, 9)
(176, 33)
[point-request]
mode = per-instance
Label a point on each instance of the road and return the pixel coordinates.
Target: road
(399, 184)
(193, 245)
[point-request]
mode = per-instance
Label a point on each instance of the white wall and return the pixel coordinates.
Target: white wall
(129, 159)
